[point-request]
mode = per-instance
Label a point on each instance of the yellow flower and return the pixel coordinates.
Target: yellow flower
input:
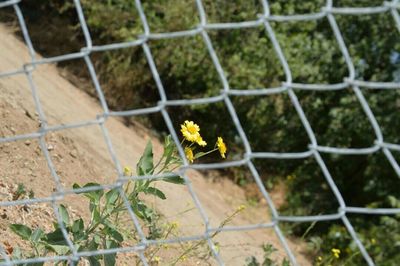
(127, 171)
(336, 252)
(319, 258)
(217, 247)
(290, 177)
(221, 147)
(174, 225)
(241, 208)
(189, 154)
(190, 131)
(200, 141)
(156, 259)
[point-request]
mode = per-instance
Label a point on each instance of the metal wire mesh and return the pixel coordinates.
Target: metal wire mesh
(289, 87)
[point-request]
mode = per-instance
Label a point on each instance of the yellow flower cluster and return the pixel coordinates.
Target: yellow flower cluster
(189, 154)
(156, 259)
(217, 247)
(127, 171)
(336, 252)
(174, 225)
(241, 208)
(221, 147)
(191, 133)
(290, 177)
(183, 258)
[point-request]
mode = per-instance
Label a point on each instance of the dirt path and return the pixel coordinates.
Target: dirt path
(80, 155)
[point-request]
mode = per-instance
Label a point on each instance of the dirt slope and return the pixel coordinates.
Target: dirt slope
(80, 155)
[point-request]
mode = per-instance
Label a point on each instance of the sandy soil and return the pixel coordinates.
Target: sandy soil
(80, 155)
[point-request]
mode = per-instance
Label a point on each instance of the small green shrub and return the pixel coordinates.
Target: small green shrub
(267, 261)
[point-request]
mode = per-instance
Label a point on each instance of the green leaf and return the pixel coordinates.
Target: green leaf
(145, 164)
(175, 179)
(91, 195)
(94, 212)
(109, 259)
(37, 235)
(156, 192)
(56, 237)
(78, 225)
(17, 254)
(22, 230)
(55, 225)
(111, 230)
(58, 249)
(64, 214)
(199, 154)
(285, 262)
(92, 245)
(97, 239)
(138, 186)
(78, 229)
(142, 211)
(112, 196)
(116, 235)
(169, 147)
(93, 261)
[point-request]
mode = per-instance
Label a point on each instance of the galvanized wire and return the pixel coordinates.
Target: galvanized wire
(288, 86)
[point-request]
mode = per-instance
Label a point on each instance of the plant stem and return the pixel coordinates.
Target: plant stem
(350, 258)
(36, 249)
(159, 247)
(158, 163)
(94, 226)
(119, 199)
(202, 242)
(206, 153)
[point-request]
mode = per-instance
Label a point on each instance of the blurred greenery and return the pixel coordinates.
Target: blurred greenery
(250, 62)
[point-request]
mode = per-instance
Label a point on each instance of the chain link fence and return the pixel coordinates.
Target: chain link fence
(314, 149)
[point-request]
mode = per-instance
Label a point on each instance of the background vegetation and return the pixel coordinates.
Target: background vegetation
(270, 122)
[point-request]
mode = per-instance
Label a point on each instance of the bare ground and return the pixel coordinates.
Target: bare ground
(80, 155)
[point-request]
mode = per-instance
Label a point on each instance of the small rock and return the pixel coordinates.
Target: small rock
(73, 153)
(13, 130)
(26, 208)
(50, 147)
(28, 142)
(28, 114)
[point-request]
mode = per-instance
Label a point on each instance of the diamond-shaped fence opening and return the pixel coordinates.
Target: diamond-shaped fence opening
(202, 28)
